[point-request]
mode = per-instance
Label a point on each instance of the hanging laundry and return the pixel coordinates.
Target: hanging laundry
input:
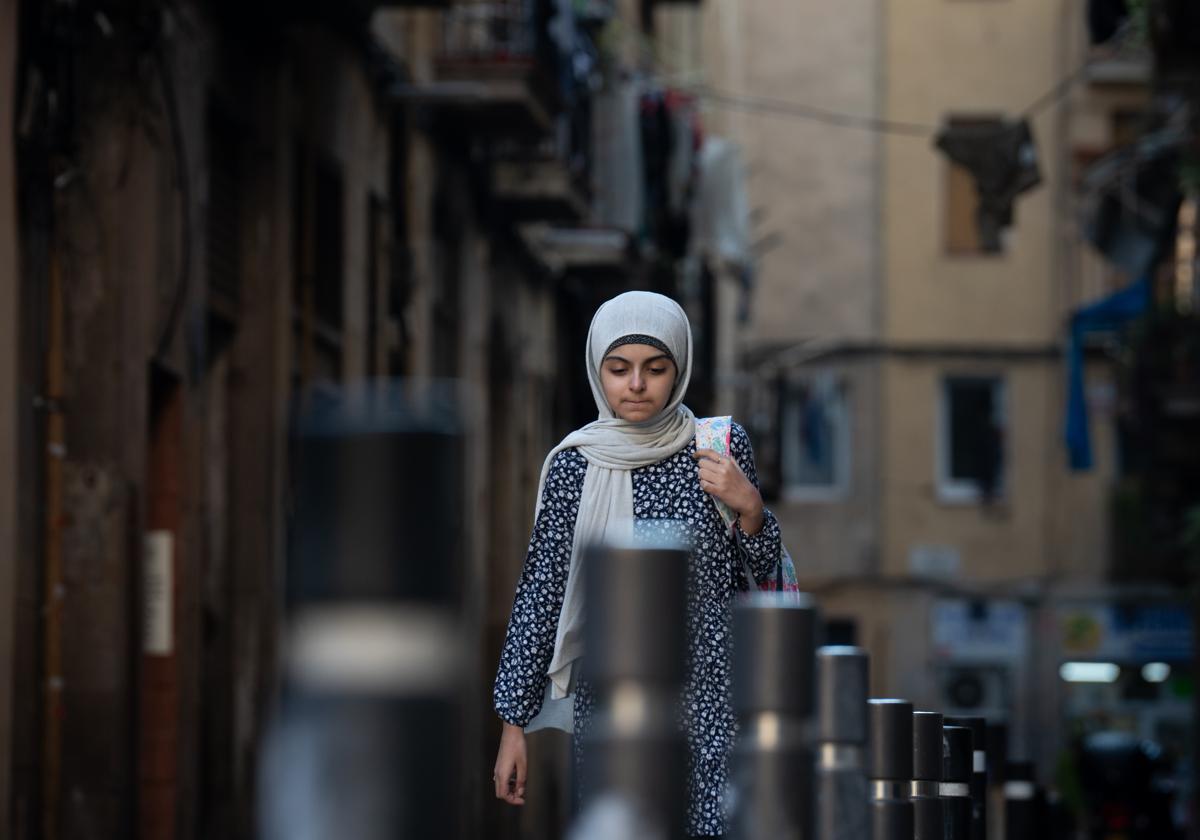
(1131, 199)
(618, 186)
(681, 169)
(1002, 159)
(1107, 315)
(720, 214)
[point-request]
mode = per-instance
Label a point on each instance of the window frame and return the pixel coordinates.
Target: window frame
(955, 491)
(952, 174)
(839, 489)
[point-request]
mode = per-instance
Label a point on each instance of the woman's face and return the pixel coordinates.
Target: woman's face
(637, 381)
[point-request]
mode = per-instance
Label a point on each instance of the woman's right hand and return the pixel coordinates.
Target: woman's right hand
(509, 773)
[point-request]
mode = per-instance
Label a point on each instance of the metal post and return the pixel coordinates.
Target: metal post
(1020, 802)
(890, 768)
(928, 822)
(635, 756)
(773, 697)
(997, 763)
(957, 769)
(842, 688)
(979, 789)
(367, 739)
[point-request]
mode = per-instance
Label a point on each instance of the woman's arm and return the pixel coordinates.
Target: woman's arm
(529, 644)
(761, 542)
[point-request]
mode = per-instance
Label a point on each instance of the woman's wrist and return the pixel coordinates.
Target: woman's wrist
(751, 517)
(751, 525)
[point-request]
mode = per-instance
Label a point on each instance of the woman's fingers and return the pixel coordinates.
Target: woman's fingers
(519, 789)
(500, 776)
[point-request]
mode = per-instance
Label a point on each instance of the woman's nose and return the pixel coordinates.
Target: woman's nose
(637, 382)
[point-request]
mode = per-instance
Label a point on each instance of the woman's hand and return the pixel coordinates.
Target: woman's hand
(721, 476)
(509, 772)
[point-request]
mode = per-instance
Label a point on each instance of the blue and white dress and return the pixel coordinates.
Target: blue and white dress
(669, 491)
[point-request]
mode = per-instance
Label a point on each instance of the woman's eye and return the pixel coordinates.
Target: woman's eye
(616, 371)
(658, 370)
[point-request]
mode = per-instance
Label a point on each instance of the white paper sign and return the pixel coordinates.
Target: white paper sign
(157, 580)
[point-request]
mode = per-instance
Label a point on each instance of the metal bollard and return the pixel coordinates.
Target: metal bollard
(635, 755)
(773, 670)
(890, 766)
(997, 765)
(979, 789)
(928, 821)
(841, 740)
(1020, 802)
(366, 741)
(955, 788)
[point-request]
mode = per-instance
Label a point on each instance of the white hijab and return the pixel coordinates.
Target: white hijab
(613, 447)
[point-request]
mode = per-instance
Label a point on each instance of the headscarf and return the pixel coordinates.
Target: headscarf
(613, 448)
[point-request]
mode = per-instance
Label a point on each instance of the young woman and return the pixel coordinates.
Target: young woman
(637, 462)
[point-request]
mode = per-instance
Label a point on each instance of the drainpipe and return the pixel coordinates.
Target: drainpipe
(53, 592)
(158, 759)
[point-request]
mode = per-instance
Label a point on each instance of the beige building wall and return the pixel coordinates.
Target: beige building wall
(814, 192)
(1006, 540)
(813, 187)
(967, 59)
(991, 315)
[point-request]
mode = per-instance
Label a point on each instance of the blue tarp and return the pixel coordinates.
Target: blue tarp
(1106, 315)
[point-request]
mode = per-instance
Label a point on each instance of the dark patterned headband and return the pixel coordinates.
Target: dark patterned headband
(636, 338)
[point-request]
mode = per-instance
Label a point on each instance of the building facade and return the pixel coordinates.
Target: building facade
(904, 370)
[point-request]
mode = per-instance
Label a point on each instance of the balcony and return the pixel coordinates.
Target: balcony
(538, 189)
(495, 70)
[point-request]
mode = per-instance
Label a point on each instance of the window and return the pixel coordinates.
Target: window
(317, 250)
(962, 236)
(971, 457)
(814, 428)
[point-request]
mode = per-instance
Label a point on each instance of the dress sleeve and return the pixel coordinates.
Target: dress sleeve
(762, 548)
(529, 643)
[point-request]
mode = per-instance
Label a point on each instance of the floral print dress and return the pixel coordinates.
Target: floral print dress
(668, 491)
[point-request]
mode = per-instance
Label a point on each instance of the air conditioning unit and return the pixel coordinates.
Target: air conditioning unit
(976, 689)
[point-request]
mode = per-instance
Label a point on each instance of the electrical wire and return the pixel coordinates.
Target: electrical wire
(801, 111)
(783, 108)
(185, 200)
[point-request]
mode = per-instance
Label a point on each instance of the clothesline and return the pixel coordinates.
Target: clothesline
(802, 111)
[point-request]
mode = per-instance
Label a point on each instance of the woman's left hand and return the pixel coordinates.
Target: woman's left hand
(721, 476)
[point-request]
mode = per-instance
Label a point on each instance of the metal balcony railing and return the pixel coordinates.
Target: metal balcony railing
(495, 31)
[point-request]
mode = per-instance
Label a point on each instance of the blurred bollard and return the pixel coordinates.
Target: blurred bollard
(979, 786)
(957, 769)
(1020, 802)
(928, 745)
(773, 669)
(366, 743)
(841, 786)
(890, 768)
(634, 753)
(997, 765)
